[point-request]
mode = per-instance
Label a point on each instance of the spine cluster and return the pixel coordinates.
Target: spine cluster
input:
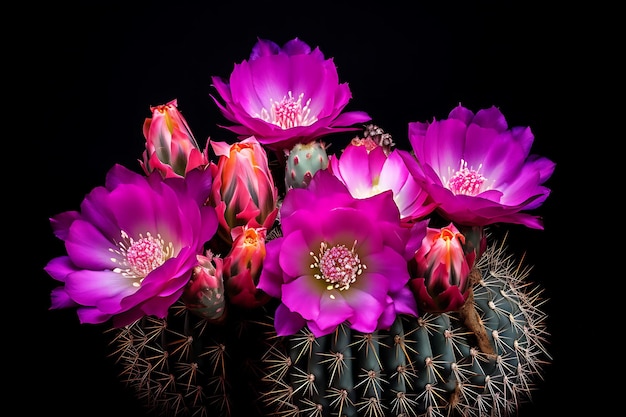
(426, 367)
(430, 366)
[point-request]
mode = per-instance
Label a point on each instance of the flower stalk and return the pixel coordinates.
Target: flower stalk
(471, 319)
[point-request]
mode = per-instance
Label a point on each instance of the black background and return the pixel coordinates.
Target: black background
(101, 66)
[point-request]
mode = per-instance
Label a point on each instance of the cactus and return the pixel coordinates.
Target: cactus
(304, 160)
(185, 365)
(430, 366)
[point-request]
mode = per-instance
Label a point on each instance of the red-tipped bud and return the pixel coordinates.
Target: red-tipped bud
(171, 148)
(243, 190)
(204, 293)
(441, 277)
(242, 267)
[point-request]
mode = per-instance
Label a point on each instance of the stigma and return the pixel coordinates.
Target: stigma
(338, 266)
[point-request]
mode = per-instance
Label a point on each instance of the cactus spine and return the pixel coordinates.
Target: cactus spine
(429, 366)
(425, 367)
(185, 365)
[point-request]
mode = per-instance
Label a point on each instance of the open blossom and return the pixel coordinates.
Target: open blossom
(285, 95)
(243, 191)
(367, 170)
(441, 276)
(171, 147)
(132, 247)
(478, 170)
(339, 259)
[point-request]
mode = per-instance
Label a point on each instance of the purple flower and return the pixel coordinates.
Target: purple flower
(284, 96)
(132, 247)
(478, 170)
(339, 259)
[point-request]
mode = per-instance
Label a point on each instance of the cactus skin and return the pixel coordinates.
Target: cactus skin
(185, 365)
(426, 367)
(303, 161)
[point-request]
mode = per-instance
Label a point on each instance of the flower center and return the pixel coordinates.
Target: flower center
(137, 258)
(466, 181)
(338, 266)
(288, 112)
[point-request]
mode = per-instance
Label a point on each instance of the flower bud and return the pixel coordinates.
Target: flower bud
(204, 293)
(441, 271)
(242, 267)
(243, 189)
(171, 148)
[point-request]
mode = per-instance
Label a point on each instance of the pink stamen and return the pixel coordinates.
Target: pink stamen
(338, 266)
(466, 181)
(289, 112)
(137, 258)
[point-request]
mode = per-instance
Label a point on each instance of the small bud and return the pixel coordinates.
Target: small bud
(204, 293)
(171, 148)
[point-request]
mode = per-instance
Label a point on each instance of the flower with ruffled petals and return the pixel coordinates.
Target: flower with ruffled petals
(441, 277)
(285, 95)
(242, 267)
(171, 148)
(478, 170)
(243, 191)
(132, 247)
(366, 170)
(340, 259)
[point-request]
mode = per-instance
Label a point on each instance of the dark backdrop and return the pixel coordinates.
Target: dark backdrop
(102, 65)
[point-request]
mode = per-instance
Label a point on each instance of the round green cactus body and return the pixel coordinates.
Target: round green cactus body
(427, 366)
(431, 366)
(185, 365)
(303, 161)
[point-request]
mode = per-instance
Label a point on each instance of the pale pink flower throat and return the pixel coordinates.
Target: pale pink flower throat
(338, 266)
(137, 258)
(289, 112)
(466, 181)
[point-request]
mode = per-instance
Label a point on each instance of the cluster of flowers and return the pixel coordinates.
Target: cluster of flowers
(345, 237)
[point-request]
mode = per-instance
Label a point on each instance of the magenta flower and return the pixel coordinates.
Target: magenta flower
(171, 148)
(284, 96)
(441, 276)
(339, 259)
(366, 170)
(478, 170)
(132, 247)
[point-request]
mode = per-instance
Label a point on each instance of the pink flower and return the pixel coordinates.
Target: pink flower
(441, 276)
(171, 148)
(339, 259)
(285, 96)
(132, 248)
(366, 170)
(204, 293)
(242, 267)
(478, 170)
(243, 191)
